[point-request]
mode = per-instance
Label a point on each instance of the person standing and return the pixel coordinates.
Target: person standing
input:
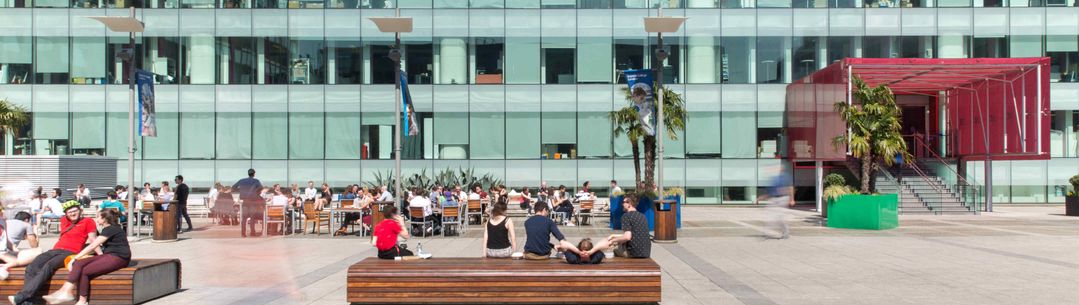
(182, 192)
(251, 203)
(75, 231)
(114, 253)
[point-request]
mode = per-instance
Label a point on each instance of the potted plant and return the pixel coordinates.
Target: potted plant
(1071, 201)
(874, 137)
(835, 186)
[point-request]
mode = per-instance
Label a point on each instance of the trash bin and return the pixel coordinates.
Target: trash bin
(164, 223)
(666, 221)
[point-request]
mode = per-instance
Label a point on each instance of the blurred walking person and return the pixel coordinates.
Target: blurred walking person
(779, 199)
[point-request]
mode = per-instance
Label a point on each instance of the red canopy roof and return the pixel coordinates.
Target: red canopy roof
(935, 74)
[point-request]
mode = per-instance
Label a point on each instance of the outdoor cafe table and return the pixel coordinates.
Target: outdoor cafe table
(334, 210)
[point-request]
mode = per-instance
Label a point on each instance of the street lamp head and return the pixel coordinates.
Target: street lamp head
(663, 24)
(393, 24)
(120, 24)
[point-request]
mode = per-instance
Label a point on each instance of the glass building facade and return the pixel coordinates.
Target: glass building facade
(303, 90)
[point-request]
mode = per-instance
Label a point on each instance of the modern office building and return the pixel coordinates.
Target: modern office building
(303, 90)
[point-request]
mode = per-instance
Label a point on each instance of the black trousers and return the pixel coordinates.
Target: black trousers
(181, 214)
(349, 219)
(393, 252)
(38, 274)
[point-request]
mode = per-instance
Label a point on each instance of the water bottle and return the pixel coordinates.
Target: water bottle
(419, 248)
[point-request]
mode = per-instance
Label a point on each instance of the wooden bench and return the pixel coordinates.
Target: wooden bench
(143, 280)
(481, 280)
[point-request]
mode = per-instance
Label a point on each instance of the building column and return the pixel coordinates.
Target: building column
(701, 60)
(452, 61)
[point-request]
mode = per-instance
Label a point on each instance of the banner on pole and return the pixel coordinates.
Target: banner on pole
(147, 116)
(640, 89)
(410, 111)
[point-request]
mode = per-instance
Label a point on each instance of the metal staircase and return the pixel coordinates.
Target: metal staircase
(929, 185)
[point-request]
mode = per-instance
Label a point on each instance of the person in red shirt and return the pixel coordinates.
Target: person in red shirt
(75, 231)
(386, 232)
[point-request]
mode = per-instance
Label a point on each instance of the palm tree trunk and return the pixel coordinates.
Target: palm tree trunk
(649, 161)
(636, 148)
(867, 165)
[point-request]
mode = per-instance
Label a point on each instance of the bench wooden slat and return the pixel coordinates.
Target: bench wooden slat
(143, 280)
(479, 280)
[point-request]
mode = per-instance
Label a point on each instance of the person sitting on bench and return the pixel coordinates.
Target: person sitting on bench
(589, 253)
(75, 231)
(538, 231)
(386, 233)
(635, 241)
(15, 231)
(113, 253)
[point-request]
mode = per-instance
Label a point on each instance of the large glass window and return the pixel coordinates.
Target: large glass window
(988, 47)
(958, 46)
(270, 126)
(806, 56)
(197, 122)
(162, 57)
(346, 62)
(16, 58)
(274, 65)
(880, 47)
(88, 60)
(1063, 52)
(51, 60)
(772, 59)
(306, 130)
(593, 123)
(166, 146)
(840, 47)
(558, 61)
(88, 114)
(233, 140)
(594, 60)
(702, 134)
(739, 107)
(736, 58)
(628, 55)
(236, 58)
(418, 63)
(198, 59)
(523, 122)
(488, 60)
(918, 47)
(343, 122)
(487, 122)
(307, 63)
(702, 66)
(381, 65)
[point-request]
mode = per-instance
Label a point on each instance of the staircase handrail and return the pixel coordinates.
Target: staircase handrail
(925, 147)
(925, 177)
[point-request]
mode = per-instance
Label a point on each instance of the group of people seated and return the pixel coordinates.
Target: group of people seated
(86, 247)
(500, 241)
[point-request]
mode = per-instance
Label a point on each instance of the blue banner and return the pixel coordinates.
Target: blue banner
(410, 112)
(640, 89)
(147, 115)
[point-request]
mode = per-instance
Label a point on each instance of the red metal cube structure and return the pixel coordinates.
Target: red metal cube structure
(978, 108)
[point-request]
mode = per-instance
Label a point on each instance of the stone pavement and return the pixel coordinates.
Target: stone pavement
(1017, 255)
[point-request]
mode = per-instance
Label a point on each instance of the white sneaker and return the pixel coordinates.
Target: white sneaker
(11, 299)
(424, 255)
(57, 299)
(3, 274)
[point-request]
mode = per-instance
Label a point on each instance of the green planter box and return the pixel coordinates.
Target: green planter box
(866, 212)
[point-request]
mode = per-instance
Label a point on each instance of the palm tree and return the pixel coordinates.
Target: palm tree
(875, 123)
(626, 122)
(12, 118)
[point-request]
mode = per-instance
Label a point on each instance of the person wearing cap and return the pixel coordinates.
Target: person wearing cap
(75, 231)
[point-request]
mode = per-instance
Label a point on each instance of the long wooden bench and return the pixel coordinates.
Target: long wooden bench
(143, 280)
(480, 280)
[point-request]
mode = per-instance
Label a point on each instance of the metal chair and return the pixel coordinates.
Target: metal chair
(475, 207)
(451, 217)
(585, 211)
(274, 214)
(415, 213)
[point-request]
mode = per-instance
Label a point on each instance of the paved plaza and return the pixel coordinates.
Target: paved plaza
(1017, 255)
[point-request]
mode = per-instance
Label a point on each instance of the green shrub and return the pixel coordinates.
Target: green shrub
(834, 179)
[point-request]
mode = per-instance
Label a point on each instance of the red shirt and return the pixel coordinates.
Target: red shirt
(386, 233)
(75, 238)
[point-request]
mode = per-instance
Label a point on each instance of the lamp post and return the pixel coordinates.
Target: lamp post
(131, 26)
(395, 25)
(660, 25)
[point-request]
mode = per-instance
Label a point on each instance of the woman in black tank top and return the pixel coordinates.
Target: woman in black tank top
(499, 239)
